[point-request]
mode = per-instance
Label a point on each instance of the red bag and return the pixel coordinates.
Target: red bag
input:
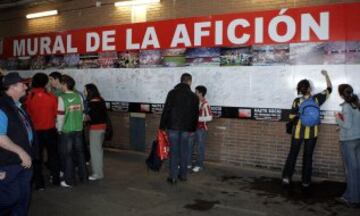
(163, 145)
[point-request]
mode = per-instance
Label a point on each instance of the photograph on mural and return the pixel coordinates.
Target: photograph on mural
(128, 59)
(271, 55)
(334, 52)
(203, 57)
(157, 108)
(244, 113)
(236, 56)
(120, 106)
(173, 57)
(352, 55)
(307, 53)
(89, 61)
(150, 58)
(38, 62)
(55, 61)
(24, 63)
(11, 64)
(72, 60)
(107, 59)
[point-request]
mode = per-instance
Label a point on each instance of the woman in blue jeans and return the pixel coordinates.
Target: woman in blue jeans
(349, 123)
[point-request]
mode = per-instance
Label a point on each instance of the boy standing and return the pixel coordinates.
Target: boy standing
(205, 116)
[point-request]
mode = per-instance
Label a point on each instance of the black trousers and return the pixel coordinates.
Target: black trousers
(47, 139)
(309, 146)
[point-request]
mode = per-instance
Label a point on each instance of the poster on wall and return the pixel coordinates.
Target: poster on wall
(352, 54)
(241, 56)
(250, 68)
(203, 57)
(128, 59)
(271, 55)
(307, 53)
(173, 57)
(150, 58)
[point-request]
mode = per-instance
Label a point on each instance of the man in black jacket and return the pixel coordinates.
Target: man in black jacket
(16, 148)
(179, 118)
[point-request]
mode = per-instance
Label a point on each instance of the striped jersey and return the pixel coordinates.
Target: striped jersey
(306, 132)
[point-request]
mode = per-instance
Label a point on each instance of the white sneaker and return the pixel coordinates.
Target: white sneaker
(61, 174)
(196, 169)
(63, 184)
(92, 178)
(189, 166)
(285, 181)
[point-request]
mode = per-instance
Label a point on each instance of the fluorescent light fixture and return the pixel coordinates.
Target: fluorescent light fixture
(134, 2)
(42, 14)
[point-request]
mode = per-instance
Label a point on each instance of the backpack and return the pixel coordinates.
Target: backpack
(309, 112)
(154, 162)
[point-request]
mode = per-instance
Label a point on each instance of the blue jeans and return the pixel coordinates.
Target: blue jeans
(198, 142)
(351, 155)
(15, 190)
(72, 154)
(179, 141)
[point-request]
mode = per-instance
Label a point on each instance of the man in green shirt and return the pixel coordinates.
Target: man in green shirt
(70, 125)
(55, 85)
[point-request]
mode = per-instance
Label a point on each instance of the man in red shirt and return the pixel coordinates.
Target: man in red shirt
(42, 108)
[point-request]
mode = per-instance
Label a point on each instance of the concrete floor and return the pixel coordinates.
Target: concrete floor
(129, 189)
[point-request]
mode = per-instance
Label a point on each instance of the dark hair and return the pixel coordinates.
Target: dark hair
(347, 92)
(201, 89)
(39, 80)
(92, 91)
(185, 78)
(303, 87)
(68, 81)
(56, 75)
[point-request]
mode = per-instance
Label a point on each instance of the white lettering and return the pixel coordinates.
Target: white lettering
(199, 32)
(69, 48)
(129, 44)
(219, 32)
(45, 46)
(321, 30)
(92, 42)
(150, 39)
(259, 30)
(181, 36)
(19, 47)
(232, 33)
(290, 28)
(58, 45)
(35, 44)
(107, 38)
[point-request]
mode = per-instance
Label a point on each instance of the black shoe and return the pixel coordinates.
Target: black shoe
(171, 181)
(39, 188)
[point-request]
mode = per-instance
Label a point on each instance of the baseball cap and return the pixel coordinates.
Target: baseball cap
(11, 78)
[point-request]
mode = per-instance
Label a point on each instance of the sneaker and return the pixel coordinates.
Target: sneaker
(63, 184)
(189, 166)
(61, 174)
(285, 181)
(93, 178)
(196, 169)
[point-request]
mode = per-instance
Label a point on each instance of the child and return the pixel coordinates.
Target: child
(205, 116)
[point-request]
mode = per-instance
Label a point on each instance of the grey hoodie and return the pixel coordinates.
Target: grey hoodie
(350, 125)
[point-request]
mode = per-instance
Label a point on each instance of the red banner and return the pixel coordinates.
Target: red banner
(338, 22)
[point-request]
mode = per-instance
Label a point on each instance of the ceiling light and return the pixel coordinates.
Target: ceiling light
(42, 14)
(134, 2)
